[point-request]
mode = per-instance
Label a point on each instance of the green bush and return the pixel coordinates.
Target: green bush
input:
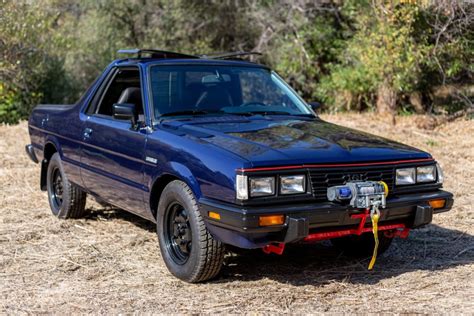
(30, 70)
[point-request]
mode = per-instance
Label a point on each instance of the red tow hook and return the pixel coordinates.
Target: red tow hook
(277, 248)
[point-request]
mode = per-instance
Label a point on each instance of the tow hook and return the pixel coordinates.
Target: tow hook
(277, 248)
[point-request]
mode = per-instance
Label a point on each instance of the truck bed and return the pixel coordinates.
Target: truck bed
(53, 107)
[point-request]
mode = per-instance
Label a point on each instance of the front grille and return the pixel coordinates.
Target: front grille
(321, 179)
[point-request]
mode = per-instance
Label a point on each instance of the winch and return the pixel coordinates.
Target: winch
(361, 194)
(367, 195)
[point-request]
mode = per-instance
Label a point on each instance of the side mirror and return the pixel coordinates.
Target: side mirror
(125, 111)
(315, 105)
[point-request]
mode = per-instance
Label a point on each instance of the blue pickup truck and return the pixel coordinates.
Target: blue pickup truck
(220, 151)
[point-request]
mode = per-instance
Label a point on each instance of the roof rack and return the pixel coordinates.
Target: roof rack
(155, 53)
(228, 55)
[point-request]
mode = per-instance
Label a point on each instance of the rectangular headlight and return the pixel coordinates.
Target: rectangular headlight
(405, 176)
(426, 174)
(262, 186)
(292, 184)
(241, 187)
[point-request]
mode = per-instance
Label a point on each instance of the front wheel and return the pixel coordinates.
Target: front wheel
(188, 249)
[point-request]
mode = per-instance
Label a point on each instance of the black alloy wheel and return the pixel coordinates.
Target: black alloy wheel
(178, 233)
(188, 249)
(65, 199)
(57, 188)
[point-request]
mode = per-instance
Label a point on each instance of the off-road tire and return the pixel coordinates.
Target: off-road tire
(363, 245)
(72, 203)
(205, 255)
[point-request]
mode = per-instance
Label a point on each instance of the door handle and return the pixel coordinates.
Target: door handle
(87, 133)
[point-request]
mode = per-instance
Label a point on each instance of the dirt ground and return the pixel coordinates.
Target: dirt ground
(110, 262)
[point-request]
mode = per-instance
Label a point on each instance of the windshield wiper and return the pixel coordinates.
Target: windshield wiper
(251, 113)
(190, 112)
(268, 113)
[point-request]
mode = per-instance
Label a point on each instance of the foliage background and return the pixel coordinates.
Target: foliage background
(390, 56)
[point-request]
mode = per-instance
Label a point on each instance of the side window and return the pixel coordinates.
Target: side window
(124, 88)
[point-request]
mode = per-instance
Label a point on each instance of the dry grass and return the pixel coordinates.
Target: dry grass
(110, 263)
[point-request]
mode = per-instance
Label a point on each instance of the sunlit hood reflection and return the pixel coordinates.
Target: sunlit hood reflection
(304, 140)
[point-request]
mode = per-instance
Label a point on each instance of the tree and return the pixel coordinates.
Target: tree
(397, 51)
(20, 41)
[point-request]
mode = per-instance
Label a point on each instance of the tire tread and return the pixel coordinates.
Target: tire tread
(212, 250)
(77, 204)
(74, 199)
(207, 255)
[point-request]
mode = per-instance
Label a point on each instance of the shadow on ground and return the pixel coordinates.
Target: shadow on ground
(110, 213)
(428, 249)
(431, 248)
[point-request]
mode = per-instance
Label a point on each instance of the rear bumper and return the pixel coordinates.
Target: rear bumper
(239, 226)
(30, 151)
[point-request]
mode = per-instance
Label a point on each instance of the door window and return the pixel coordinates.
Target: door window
(124, 88)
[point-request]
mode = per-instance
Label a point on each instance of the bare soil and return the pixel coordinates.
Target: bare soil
(109, 262)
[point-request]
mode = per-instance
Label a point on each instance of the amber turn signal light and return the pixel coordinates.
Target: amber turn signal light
(214, 215)
(437, 203)
(270, 220)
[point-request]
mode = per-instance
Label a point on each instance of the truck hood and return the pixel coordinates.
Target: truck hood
(277, 141)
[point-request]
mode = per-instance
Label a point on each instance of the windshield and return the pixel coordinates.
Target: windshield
(208, 89)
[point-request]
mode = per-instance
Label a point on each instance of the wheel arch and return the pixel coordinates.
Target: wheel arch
(50, 148)
(164, 179)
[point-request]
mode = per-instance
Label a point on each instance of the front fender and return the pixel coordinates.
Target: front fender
(207, 170)
(175, 170)
(159, 177)
(182, 172)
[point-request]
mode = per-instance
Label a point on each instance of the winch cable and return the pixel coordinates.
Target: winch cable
(374, 216)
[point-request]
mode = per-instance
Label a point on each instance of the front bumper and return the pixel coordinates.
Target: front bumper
(239, 225)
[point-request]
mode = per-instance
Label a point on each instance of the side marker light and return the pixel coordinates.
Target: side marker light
(214, 215)
(271, 220)
(437, 203)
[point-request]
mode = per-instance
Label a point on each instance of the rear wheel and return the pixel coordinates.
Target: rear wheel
(363, 245)
(188, 249)
(65, 199)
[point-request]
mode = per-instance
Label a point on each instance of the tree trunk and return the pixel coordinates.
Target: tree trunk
(387, 100)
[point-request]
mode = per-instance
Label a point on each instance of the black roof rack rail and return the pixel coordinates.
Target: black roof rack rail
(228, 55)
(155, 53)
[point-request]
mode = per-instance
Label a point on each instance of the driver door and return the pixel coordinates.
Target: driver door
(113, 153)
